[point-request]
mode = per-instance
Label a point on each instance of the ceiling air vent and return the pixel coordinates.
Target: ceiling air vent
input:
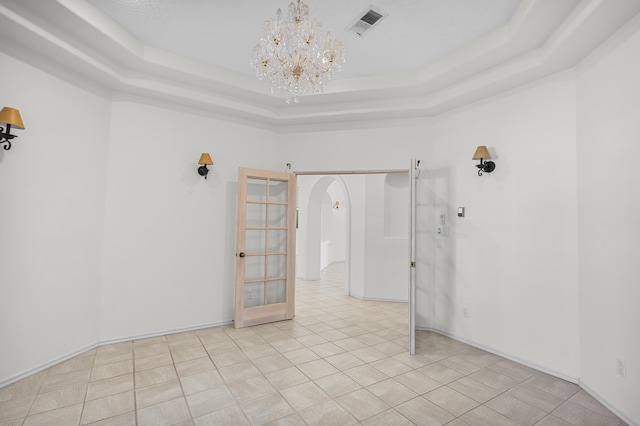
(366, 21)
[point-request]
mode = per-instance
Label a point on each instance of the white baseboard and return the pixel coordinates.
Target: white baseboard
(575, 380)
(24, 374)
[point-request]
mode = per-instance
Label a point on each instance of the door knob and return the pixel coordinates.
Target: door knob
(241, 254)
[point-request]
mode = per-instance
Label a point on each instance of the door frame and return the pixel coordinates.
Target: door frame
(412, 176)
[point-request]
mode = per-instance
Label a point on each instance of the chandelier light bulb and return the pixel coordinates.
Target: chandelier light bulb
(295, 55)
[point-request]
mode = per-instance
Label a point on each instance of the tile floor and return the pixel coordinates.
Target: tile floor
(341, 361)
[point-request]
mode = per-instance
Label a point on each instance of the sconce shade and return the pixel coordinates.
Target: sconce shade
(205, 158)
(11, 116)
(481, 152)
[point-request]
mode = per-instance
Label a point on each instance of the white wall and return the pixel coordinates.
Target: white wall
(170, 234)
(609, 202)
(386, 265)
(52, 185)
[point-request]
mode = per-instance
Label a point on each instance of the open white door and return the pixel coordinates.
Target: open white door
(412, 256)
(265, 247)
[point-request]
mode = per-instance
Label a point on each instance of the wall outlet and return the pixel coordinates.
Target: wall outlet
(620, 367)
(466, 312)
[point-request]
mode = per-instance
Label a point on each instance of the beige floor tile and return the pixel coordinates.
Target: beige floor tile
(59, 381)
(286, 378)
(484, 416)
(350, 344)
(28, 387)
(513, 370)
(254, 387)
(149, 341)
(155, 394)
(153, 361)
(16, 408)
(58, 399)
(413, 361)
(326, 349)
(226, 416)
(337, 384)
(474, 389)
(461, 366)
(535, 397)
(583, 399)
(516, 410)
(219, 347)
(106, 407)
(201, 381)
(423, 412)
(62, 416)
(577, 415)
(290, 420)
(210, 401)
(257, 352)
(450, 400)
(112, 357)
(194, 366)
(362, 404)
(287, 345)
(151, 349)
(300, 356)
(155, 375)
(188, 353)
(166, 413)
(389, 348)
(390, 367)
(553, 385)
(317, 369)
(368, 354)
(110, 386)
(115, 369)
(552, 421)
(241, 371)
(226, 359)
(272, 363)
(126, 419)
(327, 413)
(387, 418)
(311, 340)
(344, 361)
(392, 392)
(441, 373)
(304, 395)
(80, 362)
(366, 375)
(266, 408)
(417, 382)
(494, 379)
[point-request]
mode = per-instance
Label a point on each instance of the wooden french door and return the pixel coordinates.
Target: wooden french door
(265, 247)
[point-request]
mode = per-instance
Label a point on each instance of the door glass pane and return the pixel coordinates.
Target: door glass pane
(277, 216)
(277, 241)
(276, 292)
(277, 266)
(256, 189)
(253, 295)
(254, 268)
(256, 215)
(278, 191)
(255, 241)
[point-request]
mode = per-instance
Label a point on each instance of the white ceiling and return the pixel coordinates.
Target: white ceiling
(426, 58)
(413, 35)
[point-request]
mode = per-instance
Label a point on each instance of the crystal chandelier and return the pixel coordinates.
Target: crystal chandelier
(295, 55)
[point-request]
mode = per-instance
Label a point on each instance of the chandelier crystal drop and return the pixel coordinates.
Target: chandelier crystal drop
(295, 55)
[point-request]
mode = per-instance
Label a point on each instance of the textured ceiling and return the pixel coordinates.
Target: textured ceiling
(413, 35)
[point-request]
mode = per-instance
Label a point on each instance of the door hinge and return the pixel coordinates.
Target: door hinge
(413, 264)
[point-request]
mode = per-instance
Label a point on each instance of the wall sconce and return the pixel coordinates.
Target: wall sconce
(485, 166)
(205, 159)
(10, 117)
(337, 205)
